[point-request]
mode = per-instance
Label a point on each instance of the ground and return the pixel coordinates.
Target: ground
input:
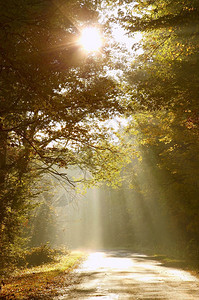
(42, 282)
(102, 275)
(126, 275)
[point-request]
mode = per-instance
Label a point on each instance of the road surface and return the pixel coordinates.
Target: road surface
(124, 275)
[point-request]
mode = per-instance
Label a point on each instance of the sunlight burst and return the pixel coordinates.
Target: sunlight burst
(91, 39)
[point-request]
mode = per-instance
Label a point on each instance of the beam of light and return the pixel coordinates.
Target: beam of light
(91, 39)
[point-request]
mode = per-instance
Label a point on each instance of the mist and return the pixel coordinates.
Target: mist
(106, 218)
(141, 215)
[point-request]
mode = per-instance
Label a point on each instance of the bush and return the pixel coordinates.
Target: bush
(39, 255)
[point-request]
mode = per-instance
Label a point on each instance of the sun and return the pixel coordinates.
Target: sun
(91, 39)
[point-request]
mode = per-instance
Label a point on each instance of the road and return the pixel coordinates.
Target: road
(124, 275)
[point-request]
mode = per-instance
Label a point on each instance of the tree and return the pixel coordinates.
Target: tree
(165, 70)
(167, 175)
(53, 97)
(163, 82)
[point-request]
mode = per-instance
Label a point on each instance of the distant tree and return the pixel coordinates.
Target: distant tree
(167, 174)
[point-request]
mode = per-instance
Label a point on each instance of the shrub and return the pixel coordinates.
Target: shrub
(39, 255)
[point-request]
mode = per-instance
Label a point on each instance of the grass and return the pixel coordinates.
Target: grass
(42, 282)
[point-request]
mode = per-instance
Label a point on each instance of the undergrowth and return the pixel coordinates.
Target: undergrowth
(41, 282)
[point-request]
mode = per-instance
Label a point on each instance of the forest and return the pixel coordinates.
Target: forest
(104, 138)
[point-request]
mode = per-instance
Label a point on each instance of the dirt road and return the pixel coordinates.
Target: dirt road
(124, 275)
